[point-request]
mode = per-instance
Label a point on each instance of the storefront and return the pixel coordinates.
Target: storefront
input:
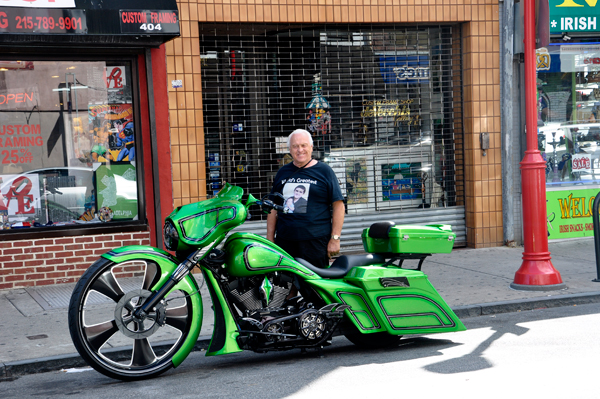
(83, 133)
(569, 129)
(381, 102)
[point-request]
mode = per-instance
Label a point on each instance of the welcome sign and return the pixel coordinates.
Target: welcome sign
(570, 213)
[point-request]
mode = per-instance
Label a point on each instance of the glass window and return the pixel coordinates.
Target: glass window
(67, 143)
(568, 98)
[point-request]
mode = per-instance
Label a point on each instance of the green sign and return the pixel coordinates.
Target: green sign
(116, 189)
(570, 213)
(574, 16)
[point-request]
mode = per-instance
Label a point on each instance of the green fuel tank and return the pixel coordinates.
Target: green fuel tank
(250, 255)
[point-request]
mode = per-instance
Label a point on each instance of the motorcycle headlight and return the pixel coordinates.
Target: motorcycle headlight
(171, 236)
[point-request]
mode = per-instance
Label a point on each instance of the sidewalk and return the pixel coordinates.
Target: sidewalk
(35, 335)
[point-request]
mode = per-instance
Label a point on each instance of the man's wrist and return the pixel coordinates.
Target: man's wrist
(335, 237)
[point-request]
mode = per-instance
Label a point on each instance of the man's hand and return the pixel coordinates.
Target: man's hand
(333, 248)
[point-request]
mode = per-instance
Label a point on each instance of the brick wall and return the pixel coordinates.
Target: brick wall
(58, 260)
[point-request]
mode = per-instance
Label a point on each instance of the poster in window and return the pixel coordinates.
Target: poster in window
(113, 133)
(116, 188)
(401, 181)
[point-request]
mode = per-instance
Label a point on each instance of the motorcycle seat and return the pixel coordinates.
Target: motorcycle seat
(342, 265)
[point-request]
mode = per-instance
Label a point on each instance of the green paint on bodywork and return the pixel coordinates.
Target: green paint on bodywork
(250, 255)
(229, 331)
(167, 263)
(414, 309)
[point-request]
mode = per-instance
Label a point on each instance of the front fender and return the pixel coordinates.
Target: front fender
(167, 264)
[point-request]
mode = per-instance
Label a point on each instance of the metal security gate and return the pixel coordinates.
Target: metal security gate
(383, 103)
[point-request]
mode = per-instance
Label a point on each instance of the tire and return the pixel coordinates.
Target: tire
(105, 334)
(374, 340)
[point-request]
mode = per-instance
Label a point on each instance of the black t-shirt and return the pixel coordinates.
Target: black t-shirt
(308, 193)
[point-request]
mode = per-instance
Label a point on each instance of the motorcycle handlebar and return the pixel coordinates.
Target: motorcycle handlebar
(268, 205)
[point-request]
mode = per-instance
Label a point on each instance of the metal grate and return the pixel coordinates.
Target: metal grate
(384, 105)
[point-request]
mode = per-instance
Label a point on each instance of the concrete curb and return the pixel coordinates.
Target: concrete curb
(12, 370)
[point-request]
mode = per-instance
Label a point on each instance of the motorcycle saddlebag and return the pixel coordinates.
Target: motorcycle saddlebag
(384, 237)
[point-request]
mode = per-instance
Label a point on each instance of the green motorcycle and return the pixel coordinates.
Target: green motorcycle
(134, 330)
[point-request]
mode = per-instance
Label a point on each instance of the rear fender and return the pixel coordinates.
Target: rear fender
(168, 263)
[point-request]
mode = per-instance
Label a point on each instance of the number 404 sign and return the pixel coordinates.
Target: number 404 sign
(149, 22)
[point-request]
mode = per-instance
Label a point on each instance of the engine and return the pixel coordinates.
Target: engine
(269, 320)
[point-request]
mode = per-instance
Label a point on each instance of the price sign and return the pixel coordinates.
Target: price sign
(581, 163)
(33, 20)
(149, 22)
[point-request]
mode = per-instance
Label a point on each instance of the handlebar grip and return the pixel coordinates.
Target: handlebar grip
(271, 205)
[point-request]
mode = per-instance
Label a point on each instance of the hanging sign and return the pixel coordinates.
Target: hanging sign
(574, 16)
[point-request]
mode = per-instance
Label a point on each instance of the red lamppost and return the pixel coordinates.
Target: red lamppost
(536, 271)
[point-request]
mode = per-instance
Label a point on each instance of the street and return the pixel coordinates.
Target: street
(550, 353)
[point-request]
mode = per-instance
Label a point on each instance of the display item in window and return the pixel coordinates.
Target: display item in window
(105, 214)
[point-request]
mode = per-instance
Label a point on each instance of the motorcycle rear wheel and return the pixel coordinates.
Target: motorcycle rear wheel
(106, 335)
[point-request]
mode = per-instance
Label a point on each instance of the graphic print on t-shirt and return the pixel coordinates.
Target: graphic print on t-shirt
(296, 197)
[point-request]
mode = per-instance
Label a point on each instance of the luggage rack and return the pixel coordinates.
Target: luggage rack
(402, 257)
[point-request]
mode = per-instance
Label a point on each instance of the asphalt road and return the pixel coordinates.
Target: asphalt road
(549, 353)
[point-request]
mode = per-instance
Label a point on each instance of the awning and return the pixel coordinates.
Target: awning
(129, 22)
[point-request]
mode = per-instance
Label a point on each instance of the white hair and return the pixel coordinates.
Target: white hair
(289, 139)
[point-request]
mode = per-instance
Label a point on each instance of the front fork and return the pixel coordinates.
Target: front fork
(182, 270)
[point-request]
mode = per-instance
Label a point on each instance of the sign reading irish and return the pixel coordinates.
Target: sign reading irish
(574, 16)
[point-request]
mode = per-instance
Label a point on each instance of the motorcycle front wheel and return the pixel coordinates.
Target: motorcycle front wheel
(108, 336)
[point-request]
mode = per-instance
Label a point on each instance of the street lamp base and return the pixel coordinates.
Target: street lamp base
(552, 287)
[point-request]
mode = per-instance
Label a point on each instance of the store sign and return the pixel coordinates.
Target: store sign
(570, 213)
(31, 20)
(398, 109)
(39, 3)
(581, 163)
(149, 22)
(574, 16)
(403, 69)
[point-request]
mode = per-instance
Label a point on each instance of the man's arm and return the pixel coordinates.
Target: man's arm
(271, 223)
(337, 221)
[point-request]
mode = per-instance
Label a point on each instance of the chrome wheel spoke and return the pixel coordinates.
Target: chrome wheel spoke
(143, 354)
(177, 317)
(149, 275)
(107, 285)
(98, 334)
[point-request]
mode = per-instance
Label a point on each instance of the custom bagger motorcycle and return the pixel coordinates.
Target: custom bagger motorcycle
(134, 330)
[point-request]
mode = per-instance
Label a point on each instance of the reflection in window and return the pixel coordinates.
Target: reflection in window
(67, 143)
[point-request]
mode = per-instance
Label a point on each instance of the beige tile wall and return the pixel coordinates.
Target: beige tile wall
(481, 86)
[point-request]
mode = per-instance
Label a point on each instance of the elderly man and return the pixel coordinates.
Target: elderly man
(311, 232)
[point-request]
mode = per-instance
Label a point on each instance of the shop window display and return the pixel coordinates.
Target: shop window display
(568, 119)
(67, 144)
